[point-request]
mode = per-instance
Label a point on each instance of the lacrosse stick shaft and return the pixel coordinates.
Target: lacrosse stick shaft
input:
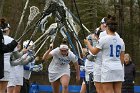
(33, 34)
(39, 38)
(40, 42)
(21, 19)
(79, 18)
(78, 43)
(79, 21)
(49, 31)
(41, 45)
(36, 24)
(46, 40)
(27, 30)
(70, 42)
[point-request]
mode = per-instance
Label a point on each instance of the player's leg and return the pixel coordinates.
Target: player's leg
(55, 86)
(99, 87)
(117, 86)
(83, 88)
(108, 87)
(10, 89)
(17, 89)
(3, 86)
(65, 82)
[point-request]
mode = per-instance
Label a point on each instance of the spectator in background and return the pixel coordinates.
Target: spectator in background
(129, 68)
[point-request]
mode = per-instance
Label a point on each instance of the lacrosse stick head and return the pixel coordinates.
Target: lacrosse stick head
(34, 11)
(47, 4)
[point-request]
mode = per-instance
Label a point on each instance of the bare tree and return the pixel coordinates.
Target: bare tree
(121, 17)
(1, 7)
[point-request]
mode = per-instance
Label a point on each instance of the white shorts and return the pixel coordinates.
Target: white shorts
(19, 81)
(110, 74)
(11, 83)
(6, 76)
(12, 77)
(15, 81)
(55, 76)
(97, 78)
(97, 73)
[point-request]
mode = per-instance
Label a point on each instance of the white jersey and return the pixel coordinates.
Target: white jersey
(111, 47)
(60, 63)
(7, 66)
(97, 67)
(89, 66)
(19, 68)
(27, 73)
(104, 33)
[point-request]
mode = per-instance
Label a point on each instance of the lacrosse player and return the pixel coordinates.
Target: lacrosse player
(59, 69)
(112, 48)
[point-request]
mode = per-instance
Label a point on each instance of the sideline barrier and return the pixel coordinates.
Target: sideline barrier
(35, 88)
(137, 89)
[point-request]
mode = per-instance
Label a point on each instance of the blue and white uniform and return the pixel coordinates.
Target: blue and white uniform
(89, 68)
(111, 47)
(104, 33)
(31, 67)
(97, 67)
(7, 66)
(60, 64)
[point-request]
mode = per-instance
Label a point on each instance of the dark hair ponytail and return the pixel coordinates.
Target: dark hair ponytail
(112, 24)
(3, 23)
(98, 31)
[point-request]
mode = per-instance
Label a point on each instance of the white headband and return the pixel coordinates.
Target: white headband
(64, 47)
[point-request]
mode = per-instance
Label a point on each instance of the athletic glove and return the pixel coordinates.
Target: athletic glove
(82, 68)
(37, 68)
(91, 57)
(30, 58)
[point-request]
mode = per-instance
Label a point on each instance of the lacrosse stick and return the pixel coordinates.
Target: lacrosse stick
(47, 4)
(70, 42)
(21, 19)
(67, 36)
(49, 31)
(52, 31)
(43, 22)
(36, 23)
(79, 21)
(72, 29)
(36, 28)
(79, 18)
(47, 37)
(34, 11)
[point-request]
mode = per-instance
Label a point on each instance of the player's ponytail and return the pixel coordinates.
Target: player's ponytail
(112, 24)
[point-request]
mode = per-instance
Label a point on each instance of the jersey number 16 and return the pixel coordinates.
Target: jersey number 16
(118, 48)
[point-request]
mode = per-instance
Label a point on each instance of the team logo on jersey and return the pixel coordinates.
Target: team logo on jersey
(115, 40)
(63, 61)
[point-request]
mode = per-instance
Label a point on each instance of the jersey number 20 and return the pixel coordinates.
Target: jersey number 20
(117, 54)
